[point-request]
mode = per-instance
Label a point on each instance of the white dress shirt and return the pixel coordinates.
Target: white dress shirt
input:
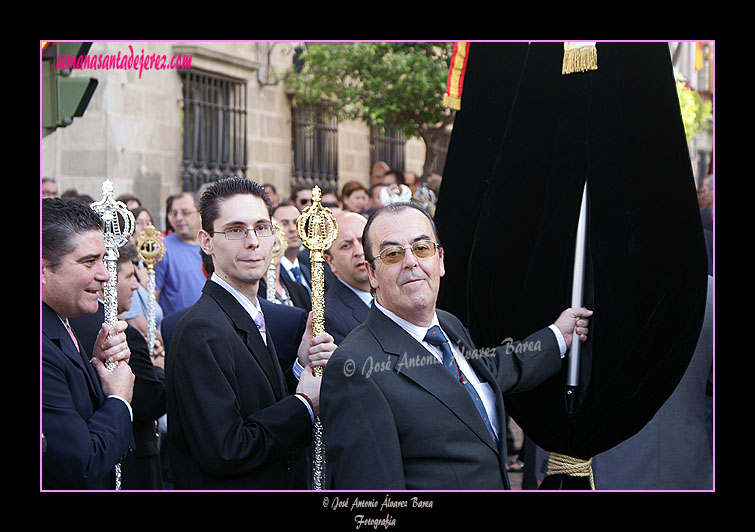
(253, 309)
(287, 265)
(366, 297)
(418, 333)
(483, 388)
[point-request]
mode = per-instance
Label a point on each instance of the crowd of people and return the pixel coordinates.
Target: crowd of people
(198, 412)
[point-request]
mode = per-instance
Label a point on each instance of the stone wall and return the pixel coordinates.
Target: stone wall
(131, 132)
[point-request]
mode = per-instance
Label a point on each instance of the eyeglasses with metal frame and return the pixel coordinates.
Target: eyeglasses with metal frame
(421, 249)
(239, 233)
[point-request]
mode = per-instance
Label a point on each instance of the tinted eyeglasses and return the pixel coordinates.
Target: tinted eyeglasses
(395, 254)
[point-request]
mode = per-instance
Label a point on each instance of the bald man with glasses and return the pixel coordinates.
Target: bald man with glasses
(407, 400)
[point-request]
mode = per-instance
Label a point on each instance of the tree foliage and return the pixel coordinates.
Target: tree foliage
(396, 83)
(697, 113)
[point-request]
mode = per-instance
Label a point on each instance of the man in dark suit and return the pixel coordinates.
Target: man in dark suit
(86, 411)
(287, 326)
(291, 267)
(297, 293)
(348, 298)
(140, 470)
(231, 422)
(393, 417)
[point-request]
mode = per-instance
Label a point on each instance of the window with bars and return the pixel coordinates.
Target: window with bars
(315, 147)
(214, 129)
(387, 145)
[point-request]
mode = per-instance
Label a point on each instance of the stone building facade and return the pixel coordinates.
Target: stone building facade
(134, 130)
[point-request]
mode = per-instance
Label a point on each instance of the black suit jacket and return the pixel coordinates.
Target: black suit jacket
(305, 260)
(140, 470)
(393, 418)
(86, 433)
(343, 310)
(300, 296)
(285, 324)
(231, 422)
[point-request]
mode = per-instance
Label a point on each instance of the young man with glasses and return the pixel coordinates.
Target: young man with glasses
(393, 416)
(178, 276)
(232, 423)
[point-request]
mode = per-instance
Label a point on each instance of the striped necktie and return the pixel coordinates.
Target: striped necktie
(436, 337)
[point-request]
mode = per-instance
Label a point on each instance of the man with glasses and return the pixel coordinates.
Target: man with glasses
(408, 402)
(232, 423)
(178, 276)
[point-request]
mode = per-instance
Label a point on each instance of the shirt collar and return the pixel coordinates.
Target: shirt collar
(415, 331)
(288, 264)
(251, 307)
(366, 297)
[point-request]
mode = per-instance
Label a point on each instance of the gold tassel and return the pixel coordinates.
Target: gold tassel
(579, 57)
(561, 464)
(452, 102)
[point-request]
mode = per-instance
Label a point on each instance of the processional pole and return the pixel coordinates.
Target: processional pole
(578, 57)
(113, 213)
(150, 249)
(318, 229)
(577, 296)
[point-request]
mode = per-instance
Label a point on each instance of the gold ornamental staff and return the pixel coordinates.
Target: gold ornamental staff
(318, 229)
(113, 213)
(150, 249)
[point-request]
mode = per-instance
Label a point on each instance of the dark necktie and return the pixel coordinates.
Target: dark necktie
(300, 278)
(297, 274)
(436, 337)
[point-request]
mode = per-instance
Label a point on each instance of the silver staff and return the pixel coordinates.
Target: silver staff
(572, 379)
(150, 249)
(113, 213)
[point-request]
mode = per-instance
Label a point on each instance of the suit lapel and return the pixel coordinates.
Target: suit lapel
(414, 362)
(474, 358)
(251, 335)
(352, 302)
(56, 331)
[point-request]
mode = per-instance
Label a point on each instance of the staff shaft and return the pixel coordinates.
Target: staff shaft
(572, 378)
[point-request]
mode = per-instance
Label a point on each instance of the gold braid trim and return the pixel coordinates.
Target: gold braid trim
(561, 464)
(579, 58)
(452, 102)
